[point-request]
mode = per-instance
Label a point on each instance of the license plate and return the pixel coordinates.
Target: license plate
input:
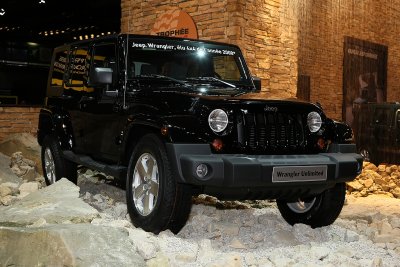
(299, 174)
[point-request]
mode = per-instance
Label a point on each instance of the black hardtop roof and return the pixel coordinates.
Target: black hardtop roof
(121, 35)
(382, 105)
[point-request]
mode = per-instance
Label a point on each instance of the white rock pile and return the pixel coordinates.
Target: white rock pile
(67, 225)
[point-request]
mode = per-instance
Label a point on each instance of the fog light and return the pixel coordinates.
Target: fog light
(201, 170)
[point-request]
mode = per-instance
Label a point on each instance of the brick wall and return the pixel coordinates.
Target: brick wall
(266, 31)
(18, 120)
(322, 28)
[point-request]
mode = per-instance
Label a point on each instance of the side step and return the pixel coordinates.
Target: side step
(113, 170)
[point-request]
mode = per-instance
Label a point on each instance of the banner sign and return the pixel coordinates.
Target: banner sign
(175, 23)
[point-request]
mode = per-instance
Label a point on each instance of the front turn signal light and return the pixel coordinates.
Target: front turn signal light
(217, 144)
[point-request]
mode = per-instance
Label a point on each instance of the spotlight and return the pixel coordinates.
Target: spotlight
(2, 11)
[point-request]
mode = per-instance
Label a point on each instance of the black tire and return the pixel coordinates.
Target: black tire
(51, 150)
(323, 210)
(171, 207)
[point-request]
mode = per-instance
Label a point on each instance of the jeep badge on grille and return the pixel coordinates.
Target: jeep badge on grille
(272, 109)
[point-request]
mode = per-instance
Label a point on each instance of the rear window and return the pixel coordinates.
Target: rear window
(382, 116)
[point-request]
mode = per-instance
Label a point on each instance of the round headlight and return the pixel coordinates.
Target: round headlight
(218, 120)
(314, 121)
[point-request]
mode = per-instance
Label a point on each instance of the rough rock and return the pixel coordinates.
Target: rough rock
(57, 203)
(222, 236)
(7, 200)
(27, 188)
(25, 143)
(382, 180)
(4, 190)
(6, 175)
(23, 167)
(67, 245)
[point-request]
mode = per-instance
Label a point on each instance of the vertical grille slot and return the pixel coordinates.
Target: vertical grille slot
(270, 132)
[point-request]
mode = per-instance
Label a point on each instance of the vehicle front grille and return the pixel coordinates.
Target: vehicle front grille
(270, 132)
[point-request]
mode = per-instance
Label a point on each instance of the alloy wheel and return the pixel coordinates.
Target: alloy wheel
(49, 166)
(302, 206)
(365, 154)
(145, 185)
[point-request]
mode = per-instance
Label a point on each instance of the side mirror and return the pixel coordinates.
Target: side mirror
(257, 83)
(100, 76)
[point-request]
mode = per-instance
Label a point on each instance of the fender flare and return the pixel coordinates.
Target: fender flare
(57, 124)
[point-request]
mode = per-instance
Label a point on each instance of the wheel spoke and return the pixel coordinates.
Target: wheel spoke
(141, 171)
(146, 204)
(139, 191)
(154, 188)
(150, 166)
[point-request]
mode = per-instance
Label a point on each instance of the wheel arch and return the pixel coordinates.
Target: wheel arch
(57, 124)
(135, 132)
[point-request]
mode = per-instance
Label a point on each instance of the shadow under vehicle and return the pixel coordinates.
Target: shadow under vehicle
(377, 132)
(172, 118)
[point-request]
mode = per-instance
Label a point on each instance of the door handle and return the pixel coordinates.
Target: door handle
(87, 99)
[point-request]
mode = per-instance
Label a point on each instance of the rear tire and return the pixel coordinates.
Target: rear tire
(318, 211)
(54, 165)
(155, 200)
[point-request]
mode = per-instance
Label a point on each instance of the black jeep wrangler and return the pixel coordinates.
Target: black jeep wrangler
(377, 131)
(172, 118)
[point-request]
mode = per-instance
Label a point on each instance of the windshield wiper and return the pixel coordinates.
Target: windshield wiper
(158, 76)
(211, 79)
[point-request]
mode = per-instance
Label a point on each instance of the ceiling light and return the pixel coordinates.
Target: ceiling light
(42, 2)
(32, 44)
(2, 11)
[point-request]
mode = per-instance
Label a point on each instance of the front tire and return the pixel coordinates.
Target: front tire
(155, 200)
(318, 211)
(54, 165)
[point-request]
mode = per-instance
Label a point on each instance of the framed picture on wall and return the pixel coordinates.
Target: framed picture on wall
(364, 76)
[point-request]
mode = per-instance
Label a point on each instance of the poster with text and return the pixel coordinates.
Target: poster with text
(364, 76)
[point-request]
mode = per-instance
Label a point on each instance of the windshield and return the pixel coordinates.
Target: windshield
(189, 62)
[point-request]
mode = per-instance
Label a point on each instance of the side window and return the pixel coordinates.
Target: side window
(226, 68)
(104, 56)
(76, 75)
(59, 65)
(382, 116)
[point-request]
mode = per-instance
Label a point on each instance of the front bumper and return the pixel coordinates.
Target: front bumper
(256, 171)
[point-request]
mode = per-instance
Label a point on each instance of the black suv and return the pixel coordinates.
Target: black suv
(378, 132)
(172, 118)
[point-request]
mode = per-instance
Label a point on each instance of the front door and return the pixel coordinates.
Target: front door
(104, 116)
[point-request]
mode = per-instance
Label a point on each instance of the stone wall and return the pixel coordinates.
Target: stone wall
(323, 26)
(266, 31)
(18, 120)
(283, 38)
